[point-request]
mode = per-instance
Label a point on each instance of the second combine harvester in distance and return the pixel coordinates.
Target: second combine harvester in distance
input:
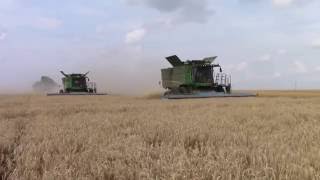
(196, 79)
(77, 84)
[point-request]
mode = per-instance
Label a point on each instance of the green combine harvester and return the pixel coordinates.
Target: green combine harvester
(77, 84)
(196, 79)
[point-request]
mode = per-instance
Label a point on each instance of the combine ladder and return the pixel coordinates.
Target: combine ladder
(222, 79)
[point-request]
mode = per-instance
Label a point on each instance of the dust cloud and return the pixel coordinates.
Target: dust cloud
(128, 73)
(116, 71)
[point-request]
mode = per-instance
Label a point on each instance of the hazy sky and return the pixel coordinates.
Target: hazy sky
(262, 43)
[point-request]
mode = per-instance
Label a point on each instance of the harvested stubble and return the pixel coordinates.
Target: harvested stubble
(139, 138)
(284, 93)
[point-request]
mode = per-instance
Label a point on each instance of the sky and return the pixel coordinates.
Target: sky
(263, 44)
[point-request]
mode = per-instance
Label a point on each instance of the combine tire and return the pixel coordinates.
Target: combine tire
(228, 88)
(185, 90)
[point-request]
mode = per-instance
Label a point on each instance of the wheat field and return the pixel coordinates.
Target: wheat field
(114, 137)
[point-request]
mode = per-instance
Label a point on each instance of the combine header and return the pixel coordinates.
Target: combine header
(196, 79)
(77, 84)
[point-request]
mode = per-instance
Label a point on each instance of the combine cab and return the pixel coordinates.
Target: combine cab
(196, 79)
(77, 84)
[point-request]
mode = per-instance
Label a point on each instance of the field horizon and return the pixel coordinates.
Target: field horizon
(141, 94)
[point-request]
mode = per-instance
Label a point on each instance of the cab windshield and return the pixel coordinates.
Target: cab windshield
(203, 74)
(79, 82)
